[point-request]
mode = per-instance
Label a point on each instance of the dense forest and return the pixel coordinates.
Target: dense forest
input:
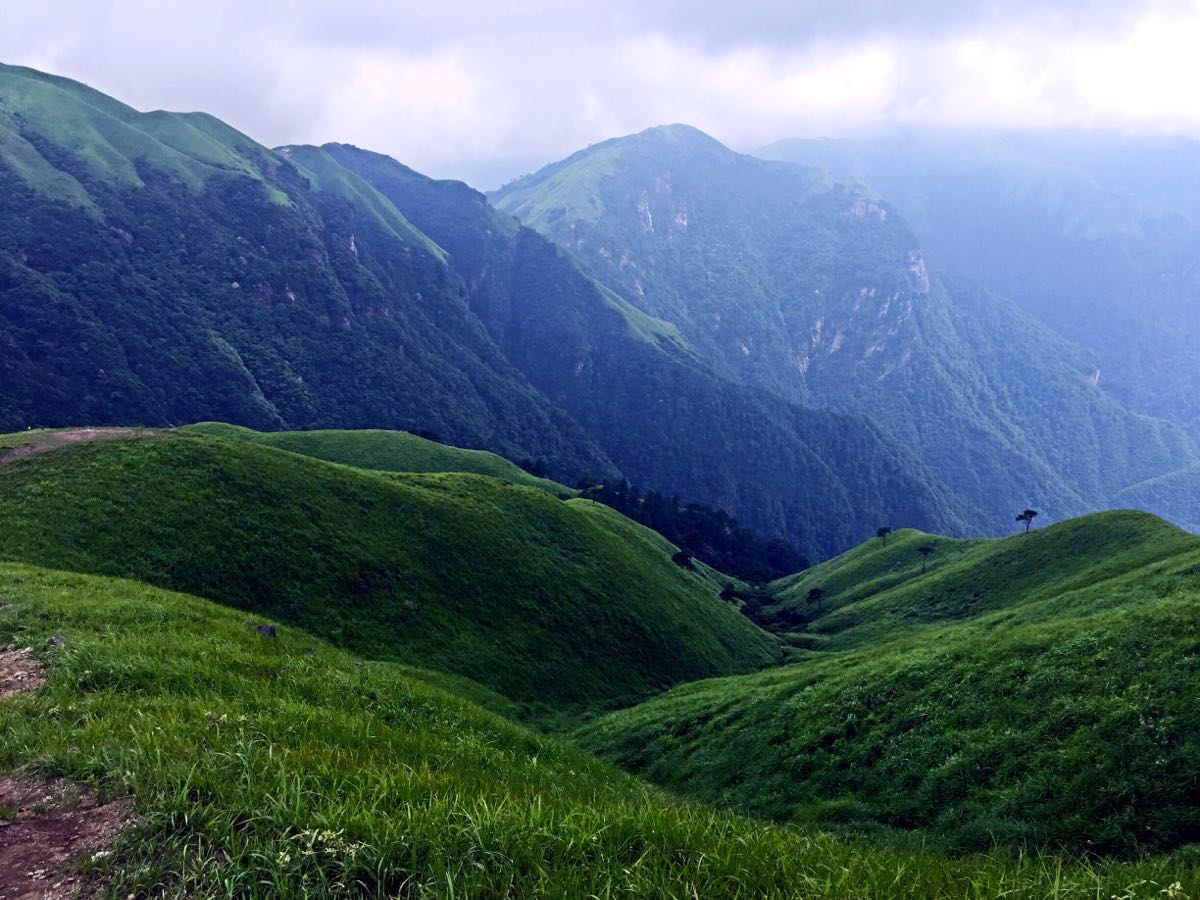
(701, 532)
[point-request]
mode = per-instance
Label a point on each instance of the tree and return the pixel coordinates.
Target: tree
(882, 532)
(816, 596)
(538, 468)
(1027, 517)
(591, 492)
(926, 550)
(683, 559)
(783, 558)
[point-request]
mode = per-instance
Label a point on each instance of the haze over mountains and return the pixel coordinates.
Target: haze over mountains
(756, 335)
(817, 290)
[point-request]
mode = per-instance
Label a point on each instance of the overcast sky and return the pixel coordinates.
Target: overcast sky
(488, 90)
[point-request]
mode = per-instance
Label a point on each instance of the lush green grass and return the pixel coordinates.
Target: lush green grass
(112, 139)
(1035, 691)
(537, 599)
(387, 451)
(327, 175)
(261, 769)
(875, 591)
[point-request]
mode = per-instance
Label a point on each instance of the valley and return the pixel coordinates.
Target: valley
(372, 745)
(669, 522)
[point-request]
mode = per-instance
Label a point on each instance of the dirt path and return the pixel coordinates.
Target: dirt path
(46, 827)
(52, 440)
(19, 671)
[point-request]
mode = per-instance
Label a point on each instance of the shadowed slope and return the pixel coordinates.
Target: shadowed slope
(1033, 691)
(501, 583)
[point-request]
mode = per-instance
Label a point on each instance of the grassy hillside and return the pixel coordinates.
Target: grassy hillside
(113, 141)
(1035, 691)
(289, 769)
(501, 583)
(386, 451)
(877, 592)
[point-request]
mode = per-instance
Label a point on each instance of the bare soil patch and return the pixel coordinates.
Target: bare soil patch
(19, 671)
(46, 829)
(56, 439)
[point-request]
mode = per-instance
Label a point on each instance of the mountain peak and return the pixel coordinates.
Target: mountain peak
(664, 140)
(679, 131)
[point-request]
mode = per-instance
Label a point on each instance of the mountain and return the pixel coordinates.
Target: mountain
(291, 768)
(158, 268)
(664, 416)
(1093, 234)
(816, 290)
(1028, 692)
(551, 603)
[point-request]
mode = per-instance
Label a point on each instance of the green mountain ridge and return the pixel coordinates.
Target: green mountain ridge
(545, 602)
(192, 274)
(813, 289)
(1031, 691)
(1091, 233)
(639, 389)
(384, 451)
(196, 275)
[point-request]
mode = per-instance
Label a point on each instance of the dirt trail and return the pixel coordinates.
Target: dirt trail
(19, 671)
(53, 440)
(46, 827)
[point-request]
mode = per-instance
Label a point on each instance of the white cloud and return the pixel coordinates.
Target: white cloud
(1149, 76)
(482, 90)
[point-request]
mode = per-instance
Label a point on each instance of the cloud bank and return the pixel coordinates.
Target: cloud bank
(485, 91)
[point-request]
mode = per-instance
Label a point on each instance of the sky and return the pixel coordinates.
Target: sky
(487, 91)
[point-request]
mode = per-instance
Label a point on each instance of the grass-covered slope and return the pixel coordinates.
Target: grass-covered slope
(1048, 699)
(261, 769)
(876, 591)
(385, 451)
(113, 142)
(468, 574)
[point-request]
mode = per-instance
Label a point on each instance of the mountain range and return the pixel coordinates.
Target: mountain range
(406, 565)
(1091, 234)
(816, 289)
(755, 335)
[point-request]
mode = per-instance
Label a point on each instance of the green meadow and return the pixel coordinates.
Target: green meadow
(484, 688)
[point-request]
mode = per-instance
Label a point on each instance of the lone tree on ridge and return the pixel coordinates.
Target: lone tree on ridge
(882, 532)
(1027, 517)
